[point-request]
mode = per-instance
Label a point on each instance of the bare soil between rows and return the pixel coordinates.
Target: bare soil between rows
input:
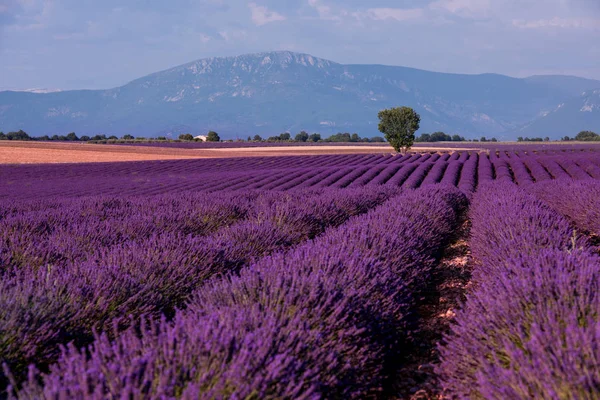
(418, 380)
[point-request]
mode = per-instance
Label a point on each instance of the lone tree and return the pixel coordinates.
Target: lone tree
(399, 126)
(186, 136)
(213, 136)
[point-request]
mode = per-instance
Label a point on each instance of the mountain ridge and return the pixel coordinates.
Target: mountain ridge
(270, 92)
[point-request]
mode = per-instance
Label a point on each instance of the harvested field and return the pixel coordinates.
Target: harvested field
(12, 152)
(308, 150)
(15, 152)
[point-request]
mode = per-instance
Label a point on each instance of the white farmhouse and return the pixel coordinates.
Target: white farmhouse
(201, 137)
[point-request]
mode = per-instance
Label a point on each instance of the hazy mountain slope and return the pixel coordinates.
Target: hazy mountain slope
(570, 85)
(269, 93)
(561, 122)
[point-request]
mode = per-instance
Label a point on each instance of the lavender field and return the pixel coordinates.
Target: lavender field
(467, 274)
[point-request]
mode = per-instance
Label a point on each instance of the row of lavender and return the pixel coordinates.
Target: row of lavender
(74, 266)
(461, 169)
(331, 318)
(530, 327)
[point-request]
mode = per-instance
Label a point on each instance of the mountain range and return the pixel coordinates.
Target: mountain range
(274, 92)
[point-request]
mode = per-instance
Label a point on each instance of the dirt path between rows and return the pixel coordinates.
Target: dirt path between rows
(417, 380)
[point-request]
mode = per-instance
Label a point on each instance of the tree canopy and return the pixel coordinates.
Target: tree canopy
(315, 137)
(18, 135)
(399, 125)
(301, 137)
(587, 136)
(213, 136)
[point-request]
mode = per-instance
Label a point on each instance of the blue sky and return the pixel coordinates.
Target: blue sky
(69, 44)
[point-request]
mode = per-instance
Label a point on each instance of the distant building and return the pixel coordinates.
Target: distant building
(201, 137)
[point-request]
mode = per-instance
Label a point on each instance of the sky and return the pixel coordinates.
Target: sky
(91, 44)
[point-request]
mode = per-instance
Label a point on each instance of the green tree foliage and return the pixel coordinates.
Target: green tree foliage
(346, 137)
(587, 136)
(84, 138)
(186, 136)
(285, 136)
(315, 137)
(399, 126)
(301, 137)
(72, 137)
(128, 137)
(438, 137)
(18, 135)
(528, 139)
(340, 137)
(257, 138)
(423, 138)
(213, 136)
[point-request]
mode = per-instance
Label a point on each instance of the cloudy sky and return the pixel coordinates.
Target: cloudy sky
(68, 44)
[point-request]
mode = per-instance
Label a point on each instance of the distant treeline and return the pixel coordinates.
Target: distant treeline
(71, 137)
(341, 137)
(584, 136)
(187, 137)
(304, 136)
(443, 137)
(535, 139)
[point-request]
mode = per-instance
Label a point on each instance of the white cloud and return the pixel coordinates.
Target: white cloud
(233, 35)
(324, 11)
(464, 8)
(398, 14)
(556, 22)
(262, 15)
